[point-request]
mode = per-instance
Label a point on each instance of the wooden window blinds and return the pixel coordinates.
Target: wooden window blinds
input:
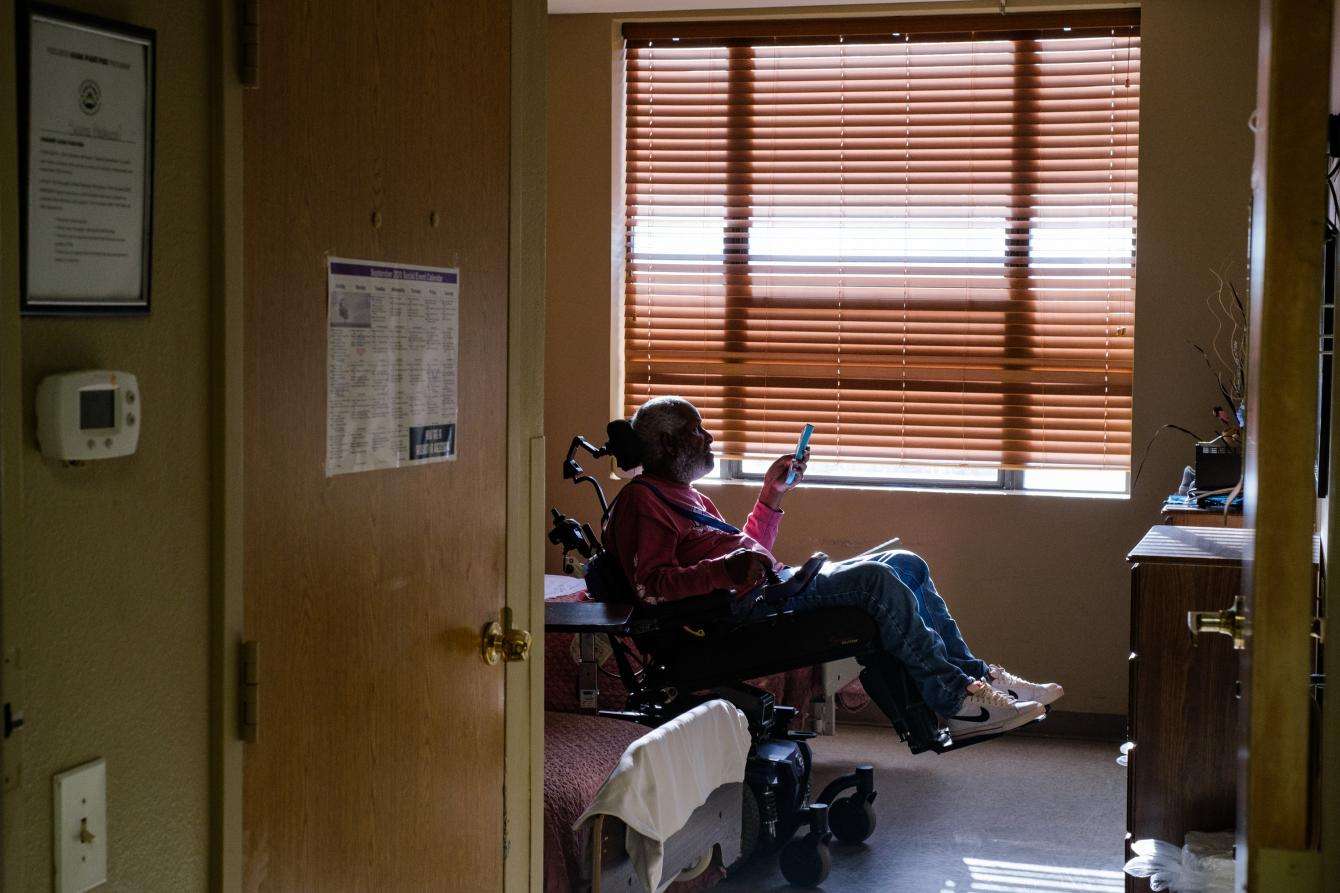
(917, 233)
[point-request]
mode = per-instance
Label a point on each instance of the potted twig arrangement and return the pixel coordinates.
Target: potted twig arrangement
(1225, 357)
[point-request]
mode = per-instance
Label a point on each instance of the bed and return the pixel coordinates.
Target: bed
(589, 846)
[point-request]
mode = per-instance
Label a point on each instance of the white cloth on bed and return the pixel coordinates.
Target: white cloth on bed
(668, 773)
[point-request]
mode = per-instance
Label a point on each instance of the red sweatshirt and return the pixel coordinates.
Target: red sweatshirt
(667, 556)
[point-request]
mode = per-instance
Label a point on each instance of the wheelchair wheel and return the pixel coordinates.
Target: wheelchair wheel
(805, 862)
(852, 819)
(751, 824)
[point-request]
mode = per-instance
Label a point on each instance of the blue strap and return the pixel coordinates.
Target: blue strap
(692, 514)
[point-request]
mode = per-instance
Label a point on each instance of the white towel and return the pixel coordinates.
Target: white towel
(668, 773)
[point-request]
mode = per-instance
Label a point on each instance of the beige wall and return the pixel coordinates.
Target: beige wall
(1038, 583)
(106, 599)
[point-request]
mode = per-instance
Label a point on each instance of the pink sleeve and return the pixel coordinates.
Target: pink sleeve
(763, 524)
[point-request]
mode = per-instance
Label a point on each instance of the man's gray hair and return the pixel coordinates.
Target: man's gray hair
(659, 419)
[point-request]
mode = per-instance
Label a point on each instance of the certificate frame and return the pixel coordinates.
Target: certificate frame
(126, 302)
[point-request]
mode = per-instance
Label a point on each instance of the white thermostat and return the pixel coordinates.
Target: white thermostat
(88, 415)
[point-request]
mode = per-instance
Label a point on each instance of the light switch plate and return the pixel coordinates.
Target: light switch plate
(80, 808)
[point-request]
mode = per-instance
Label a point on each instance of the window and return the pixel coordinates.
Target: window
(917, 233)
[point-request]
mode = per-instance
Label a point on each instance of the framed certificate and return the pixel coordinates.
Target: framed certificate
(86, 138)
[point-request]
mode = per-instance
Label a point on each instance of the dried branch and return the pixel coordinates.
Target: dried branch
(1228, 395)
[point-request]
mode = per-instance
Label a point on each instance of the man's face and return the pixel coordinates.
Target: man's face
(693, 452)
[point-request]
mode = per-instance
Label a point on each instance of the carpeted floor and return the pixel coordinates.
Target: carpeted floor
(1014, 815)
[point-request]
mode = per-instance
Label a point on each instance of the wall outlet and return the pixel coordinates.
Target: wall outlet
(80, 811)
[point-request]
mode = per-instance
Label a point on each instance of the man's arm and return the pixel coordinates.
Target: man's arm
(762, 524)
(766, 518)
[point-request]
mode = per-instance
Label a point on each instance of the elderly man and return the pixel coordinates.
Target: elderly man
(672, 542)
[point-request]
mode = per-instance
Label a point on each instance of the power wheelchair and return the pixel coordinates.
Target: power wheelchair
(673, 656)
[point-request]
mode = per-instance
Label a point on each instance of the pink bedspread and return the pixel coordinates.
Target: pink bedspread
(579, 754)
(852, 697)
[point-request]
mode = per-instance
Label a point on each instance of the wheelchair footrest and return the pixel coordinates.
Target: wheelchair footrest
(893, 691)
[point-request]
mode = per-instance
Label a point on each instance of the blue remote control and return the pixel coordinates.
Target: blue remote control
(800, 452)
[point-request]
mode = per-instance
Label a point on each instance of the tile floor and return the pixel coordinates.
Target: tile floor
(1014, 815)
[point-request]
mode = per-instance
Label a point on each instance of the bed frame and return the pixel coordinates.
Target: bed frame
(712, 833)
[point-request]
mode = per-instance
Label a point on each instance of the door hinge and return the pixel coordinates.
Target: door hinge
(13, 720)
(249, 43)
(249, 691)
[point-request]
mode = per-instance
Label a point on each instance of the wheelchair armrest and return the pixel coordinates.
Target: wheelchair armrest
(778, 593)
(586, 617)
(611, 617)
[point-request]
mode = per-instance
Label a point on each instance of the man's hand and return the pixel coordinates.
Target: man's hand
(747, 568)
(774, 480)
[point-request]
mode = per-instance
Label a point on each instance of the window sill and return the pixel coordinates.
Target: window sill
(867, 486)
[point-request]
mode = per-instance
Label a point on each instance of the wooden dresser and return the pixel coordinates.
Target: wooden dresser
(1183, 695)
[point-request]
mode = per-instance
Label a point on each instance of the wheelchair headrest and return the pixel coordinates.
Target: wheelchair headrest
(624, 444)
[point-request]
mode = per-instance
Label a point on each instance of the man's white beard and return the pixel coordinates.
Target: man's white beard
(689, 468)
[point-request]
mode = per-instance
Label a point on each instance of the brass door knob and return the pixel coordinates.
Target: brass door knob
(500, 642)
(1232, 621)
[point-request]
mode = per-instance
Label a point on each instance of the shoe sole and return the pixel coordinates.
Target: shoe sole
(1007, 725)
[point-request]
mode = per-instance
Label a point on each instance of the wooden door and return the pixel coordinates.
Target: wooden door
(381, 132)
(1276, 833)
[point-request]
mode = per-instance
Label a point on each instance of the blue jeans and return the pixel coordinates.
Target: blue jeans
(915, 626)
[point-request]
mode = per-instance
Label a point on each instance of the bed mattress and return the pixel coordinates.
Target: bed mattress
(579, 753)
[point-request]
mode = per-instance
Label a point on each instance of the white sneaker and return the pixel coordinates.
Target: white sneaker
(990, 712)
(1003, 680)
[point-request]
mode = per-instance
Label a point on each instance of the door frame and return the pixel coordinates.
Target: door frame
(523, 787)
(11, 424)
(1276, 849)
(523, 751)
(226, 438)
